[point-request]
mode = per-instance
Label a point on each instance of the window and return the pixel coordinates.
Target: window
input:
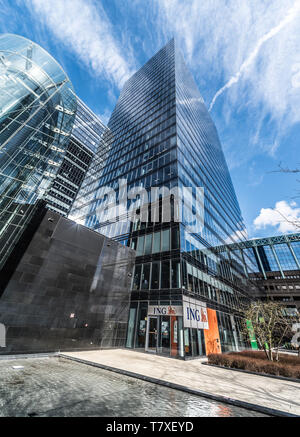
(156, 242)
(155, 276)
(175, 273)
(184, 274)
(146, 276)
(137, 277)
(140, 246)
(285, 257)
(175, 238)
(197, 286)
(296, 247)
(190, 277)
(165, 274)
(148, 244)
(165, 244)
(173, 141)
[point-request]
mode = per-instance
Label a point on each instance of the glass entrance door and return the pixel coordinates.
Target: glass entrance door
(152, 334)
(164, 337)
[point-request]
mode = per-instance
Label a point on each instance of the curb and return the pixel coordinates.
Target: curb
(282, 378)
(27, 356)
(218, 398)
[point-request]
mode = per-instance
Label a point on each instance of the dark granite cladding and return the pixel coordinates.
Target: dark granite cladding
(33, 216)
(67, 270)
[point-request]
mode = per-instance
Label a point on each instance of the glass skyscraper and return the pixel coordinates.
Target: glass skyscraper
(83, 144)
(88, 196)
(37, 110)
(186, 291)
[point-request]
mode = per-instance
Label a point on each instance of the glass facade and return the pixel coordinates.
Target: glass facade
(161, 135)
(273, 264)
(276, 256)
(285, 257)
(37, 110)
(85, 205)
(268, 258)
(85, 138)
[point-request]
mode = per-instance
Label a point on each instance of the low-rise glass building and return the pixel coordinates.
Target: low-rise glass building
(274, 265)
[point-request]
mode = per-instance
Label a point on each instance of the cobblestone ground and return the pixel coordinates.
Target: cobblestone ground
(58, 387)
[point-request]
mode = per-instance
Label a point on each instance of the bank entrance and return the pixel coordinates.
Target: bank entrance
(173, 330)
(163, 335)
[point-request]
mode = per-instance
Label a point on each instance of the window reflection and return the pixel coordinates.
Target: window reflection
(165, 274)
(165, 244)
(137, 277)
(155, 276)
(146, 276)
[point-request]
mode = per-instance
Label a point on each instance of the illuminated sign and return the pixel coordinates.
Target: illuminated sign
(164, 310)
(194, 314)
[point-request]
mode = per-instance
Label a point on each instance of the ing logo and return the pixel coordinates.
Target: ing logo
(203, 316)
(171, 311)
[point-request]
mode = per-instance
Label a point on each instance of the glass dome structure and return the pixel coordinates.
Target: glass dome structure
(37, 112)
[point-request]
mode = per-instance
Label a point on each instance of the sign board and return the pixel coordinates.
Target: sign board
(252, 335)
(194, 314)
(164, 310)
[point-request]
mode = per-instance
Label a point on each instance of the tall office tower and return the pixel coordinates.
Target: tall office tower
(37, 110)
(186, 294)
(84, 207)
(84, 142)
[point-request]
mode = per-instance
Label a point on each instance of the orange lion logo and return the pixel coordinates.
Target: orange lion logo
(171, 311)
(203, 316)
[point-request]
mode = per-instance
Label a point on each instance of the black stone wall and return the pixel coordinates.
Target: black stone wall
(69, 291)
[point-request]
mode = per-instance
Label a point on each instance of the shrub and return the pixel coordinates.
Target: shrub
(283, 358)
(254, 362)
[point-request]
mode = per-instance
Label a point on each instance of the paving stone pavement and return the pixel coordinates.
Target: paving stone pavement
(60, 387)
(254, 389)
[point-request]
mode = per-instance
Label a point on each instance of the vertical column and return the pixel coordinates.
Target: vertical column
(293, 253)
(277, 260)
(260, 263)
(234, 333)
(244, 264)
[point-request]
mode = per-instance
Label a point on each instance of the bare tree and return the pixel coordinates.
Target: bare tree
(271, 325)
(295, 223)
(281, 169)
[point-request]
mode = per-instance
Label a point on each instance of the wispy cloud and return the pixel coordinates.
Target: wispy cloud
(251, 43)
(255, 176)
(285, 217)
(105, 116)
(83, 26)
(290, 16)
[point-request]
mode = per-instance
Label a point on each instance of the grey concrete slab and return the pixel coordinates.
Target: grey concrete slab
(283, 396)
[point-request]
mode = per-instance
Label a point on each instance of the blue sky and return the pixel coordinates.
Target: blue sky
(244, 55)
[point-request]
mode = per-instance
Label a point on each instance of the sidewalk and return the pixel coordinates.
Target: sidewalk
(257, 390)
